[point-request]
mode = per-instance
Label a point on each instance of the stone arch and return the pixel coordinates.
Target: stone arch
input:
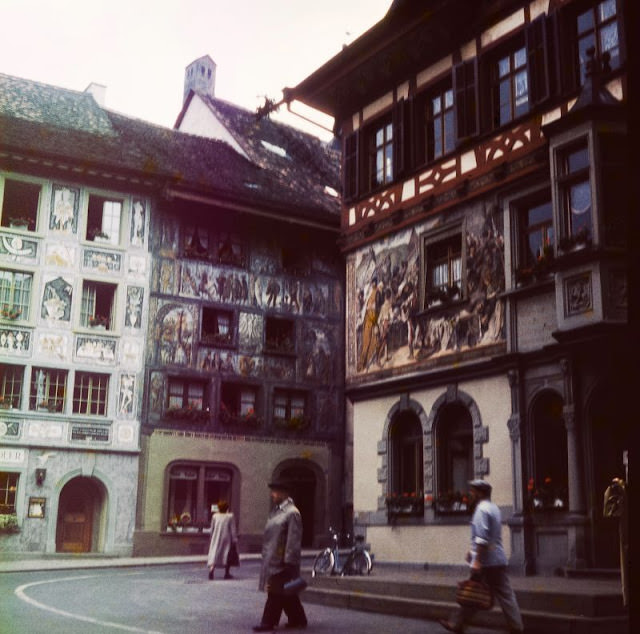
(480, 434)
(99, 491)
(309, 494)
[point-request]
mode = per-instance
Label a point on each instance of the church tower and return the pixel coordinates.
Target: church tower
(200, 76)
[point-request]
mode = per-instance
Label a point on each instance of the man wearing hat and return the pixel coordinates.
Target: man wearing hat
(281, 551)
(487, 560)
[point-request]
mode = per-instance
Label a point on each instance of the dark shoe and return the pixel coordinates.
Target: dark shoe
(263, 628)
(296, 626)
(228, 576)
(450, 627)
(210, 574)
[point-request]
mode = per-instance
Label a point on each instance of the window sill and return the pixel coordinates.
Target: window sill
(280, 353)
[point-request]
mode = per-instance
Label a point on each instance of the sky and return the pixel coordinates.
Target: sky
(139, 49)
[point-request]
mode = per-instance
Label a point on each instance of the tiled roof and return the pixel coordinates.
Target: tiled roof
(302, 161)
(46, 121)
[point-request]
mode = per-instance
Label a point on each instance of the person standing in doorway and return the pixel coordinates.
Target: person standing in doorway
(281, 553)
(223, 537)
(487, 560)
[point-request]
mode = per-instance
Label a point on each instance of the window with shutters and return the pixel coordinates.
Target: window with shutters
(434, 124)
(380, 154)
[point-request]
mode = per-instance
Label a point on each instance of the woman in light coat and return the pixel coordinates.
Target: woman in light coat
(223, 536)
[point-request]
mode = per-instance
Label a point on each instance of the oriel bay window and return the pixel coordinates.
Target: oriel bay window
(48, 389)
(90, 393)
(574, 196)
(536, 238)
(11, 378)
(194, 490)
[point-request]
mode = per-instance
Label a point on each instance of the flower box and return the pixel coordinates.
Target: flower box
(9, 523)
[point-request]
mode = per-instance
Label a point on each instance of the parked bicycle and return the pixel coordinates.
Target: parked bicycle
(357, 562)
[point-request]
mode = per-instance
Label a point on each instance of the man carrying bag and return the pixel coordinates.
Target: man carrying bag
(488, 562)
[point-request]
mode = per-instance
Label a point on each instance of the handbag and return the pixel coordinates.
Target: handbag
(294, 586)
(472, 593)
(233, 559)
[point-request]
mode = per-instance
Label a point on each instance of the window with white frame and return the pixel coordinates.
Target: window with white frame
(8, 490)
(20, 202)
(98, 305)
(48, 389)
(15, 294)
(11, 381)
(90, 393)
(104, 216)
(509, 86)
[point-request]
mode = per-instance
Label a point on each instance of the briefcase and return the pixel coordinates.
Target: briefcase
(474, 594)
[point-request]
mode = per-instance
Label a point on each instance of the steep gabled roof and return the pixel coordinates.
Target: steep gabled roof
(55, 124)
(302, 161)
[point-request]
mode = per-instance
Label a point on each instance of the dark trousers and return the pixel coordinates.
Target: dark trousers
(277, 601)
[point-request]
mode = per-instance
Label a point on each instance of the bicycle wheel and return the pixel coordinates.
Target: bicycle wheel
(359, 563)
(323, 563)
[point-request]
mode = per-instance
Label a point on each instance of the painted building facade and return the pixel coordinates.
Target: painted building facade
(74, 291)
(244, 360)
(483, 225)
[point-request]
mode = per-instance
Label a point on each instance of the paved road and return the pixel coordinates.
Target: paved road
(176, 599)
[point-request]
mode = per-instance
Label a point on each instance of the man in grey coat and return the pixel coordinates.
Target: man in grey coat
(281, 552)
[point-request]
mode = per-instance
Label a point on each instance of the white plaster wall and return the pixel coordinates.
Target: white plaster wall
(199, 120)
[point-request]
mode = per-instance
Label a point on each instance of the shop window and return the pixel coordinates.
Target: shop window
(194, 491)
(217, 326)
(48, 389)
(98, 305)
(574, 196)
(20, 201)
(103, 219)
(11, 380)
(289, 409)
(90, 392)
(239, 404)
(405, 484)
(454, 447)
(443, 269)
(15, 294)
(280, 335)
(8, 489)
(547, 484)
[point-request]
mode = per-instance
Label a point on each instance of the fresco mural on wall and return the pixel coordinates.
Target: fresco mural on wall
(64, 209)
(387, 325)
(56, 300)
(214, 283)
(250, 329)
(137, 223)
(61, 255)
(125, 397)
(318, 352)
(133, 315)
(290, 295)
(174, 332)
(18, 247)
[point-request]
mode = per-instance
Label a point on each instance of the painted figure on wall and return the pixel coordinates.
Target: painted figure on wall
(56, 300)
(137, 223)
(391, 328)
(64, 209)
(135, 295)
(175, 337)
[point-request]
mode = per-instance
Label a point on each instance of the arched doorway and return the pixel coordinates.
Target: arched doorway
(303, 482)
(80, 516)
(609, 426)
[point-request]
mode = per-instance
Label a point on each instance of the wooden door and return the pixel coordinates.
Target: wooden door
(75, 518)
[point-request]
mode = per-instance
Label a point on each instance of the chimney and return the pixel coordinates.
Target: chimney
(98, 92)
(200, 76)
